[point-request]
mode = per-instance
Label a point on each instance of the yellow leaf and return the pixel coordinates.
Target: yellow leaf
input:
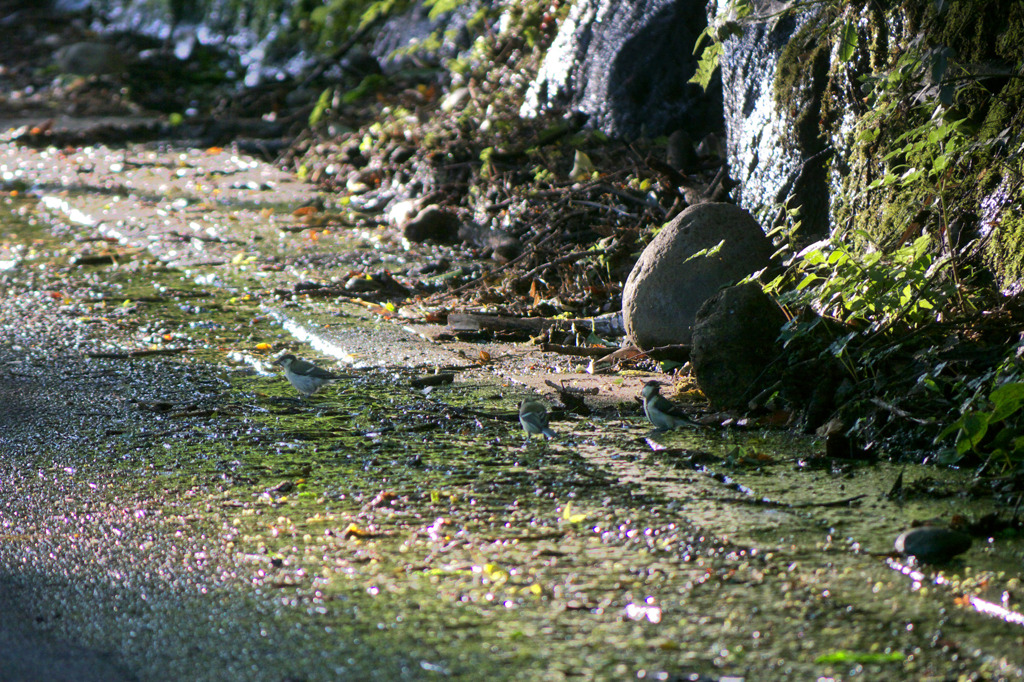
(570, 517)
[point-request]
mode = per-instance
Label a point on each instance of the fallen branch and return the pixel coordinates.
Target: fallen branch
(136, 353)
(581, 351)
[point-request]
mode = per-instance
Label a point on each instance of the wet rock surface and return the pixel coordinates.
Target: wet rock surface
(627, 66)
(775, 149)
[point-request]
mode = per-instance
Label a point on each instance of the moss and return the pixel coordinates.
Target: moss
(792, 77)
(985, 41)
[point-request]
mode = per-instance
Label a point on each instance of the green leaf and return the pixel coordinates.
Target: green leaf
(848, 41)
(322, 104)
(369, 84)
(1006, 400)
(706, 33)
(807, 281)
(439, 7)
(708, 252)
(868, 135)
(569, 516)
(844, 656)
(706, 65)
(975, 426)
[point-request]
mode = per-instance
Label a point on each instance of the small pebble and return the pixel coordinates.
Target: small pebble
(932, 544)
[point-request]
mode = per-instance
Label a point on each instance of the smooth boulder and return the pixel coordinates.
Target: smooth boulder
(670, 282)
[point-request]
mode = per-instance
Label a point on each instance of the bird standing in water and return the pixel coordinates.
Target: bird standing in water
(660, 410)
(534, 418)
(306, 377)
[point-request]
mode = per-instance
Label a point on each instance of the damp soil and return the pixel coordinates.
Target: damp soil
(171, 508)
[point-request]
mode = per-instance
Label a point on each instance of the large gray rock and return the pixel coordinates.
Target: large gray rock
(626, 65)
(735, 340)
(773, 116)
(668, 284)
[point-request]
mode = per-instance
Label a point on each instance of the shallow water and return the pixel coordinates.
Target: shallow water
(184, 511)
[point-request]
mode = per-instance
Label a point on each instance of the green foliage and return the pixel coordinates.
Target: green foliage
(543, 175)
(707, 65)
(873, 291)
(992, 433)
(926, 130)
(322, 104)
(368, 85)
(337, 20)
(882, 320)
(725, 24)
(487, 162)
(860, 657)
(439, 7)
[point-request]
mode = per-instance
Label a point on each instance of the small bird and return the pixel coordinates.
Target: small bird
(662, 413)
(306, 377)
(534, 418)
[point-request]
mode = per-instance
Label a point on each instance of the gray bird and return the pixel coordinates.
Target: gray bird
(660, 410)
(534, 418)
(306, 377)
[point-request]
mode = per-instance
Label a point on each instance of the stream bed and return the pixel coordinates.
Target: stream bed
(172, 508)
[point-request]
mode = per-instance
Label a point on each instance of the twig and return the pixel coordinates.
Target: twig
(898, 412)
(581, 351)
(594, 204)
(569, 258)
(518, 259)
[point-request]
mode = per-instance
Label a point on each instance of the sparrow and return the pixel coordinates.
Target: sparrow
(662, 413)
(534, 418)
(306, 377)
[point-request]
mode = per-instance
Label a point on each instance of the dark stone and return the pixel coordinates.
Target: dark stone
(933, 544)
(682, 155)
(501, 246)
(433, 224)
(627, 66)
(734, 343)
(90, 59)
(669, 283)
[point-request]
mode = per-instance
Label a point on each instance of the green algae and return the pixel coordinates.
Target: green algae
(380, 532)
